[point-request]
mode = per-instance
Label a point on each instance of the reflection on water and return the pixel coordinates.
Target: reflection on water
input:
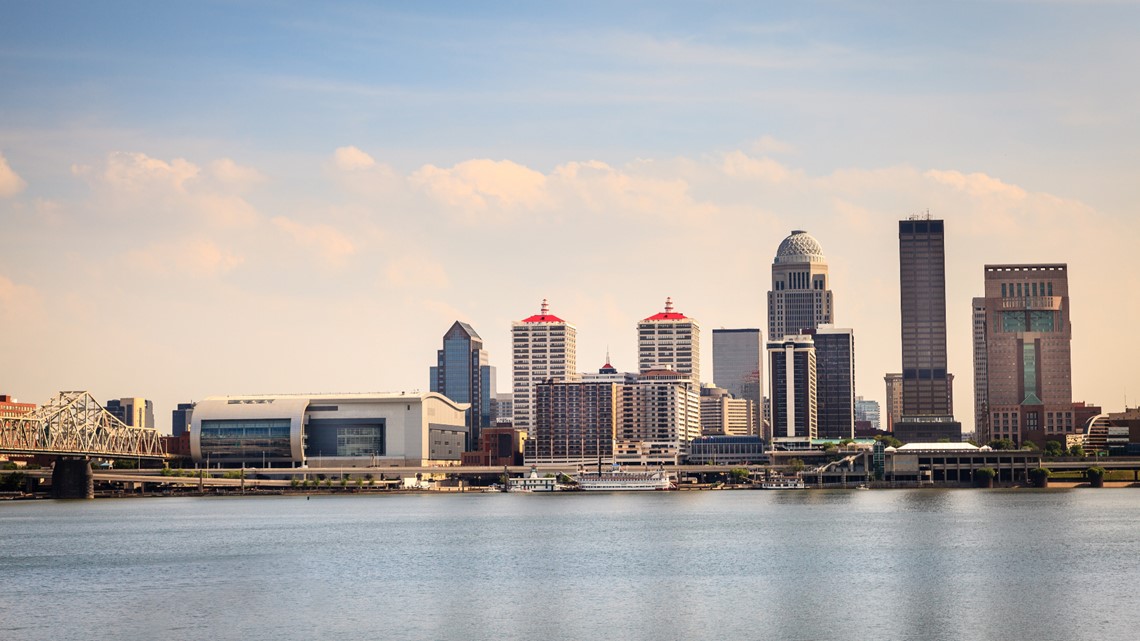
(929, 564)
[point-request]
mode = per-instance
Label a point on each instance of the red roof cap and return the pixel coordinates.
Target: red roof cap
(668, 314)
(544, 316)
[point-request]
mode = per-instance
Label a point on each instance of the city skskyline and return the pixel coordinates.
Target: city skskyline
(238, 199)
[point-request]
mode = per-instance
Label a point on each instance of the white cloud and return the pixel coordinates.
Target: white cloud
(133, 185)
(976, 184)
(479, 186)
(224, 210)
(740, 165)
(352, 159)
(14, 297)
(229, 172)
(331, 244)
(136, 172)
(195, 257)
(632, 190)
(766, 144)
(417, 272)
(10, 182)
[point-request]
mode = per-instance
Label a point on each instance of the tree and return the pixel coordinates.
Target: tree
(1077, 450)
(1054, 448)
(889, 441)
(1029, 445)
(739, 474)
(797, 464)
(1039, 476)
(12, 482)
(1001, 444)
(1096, 475)
(984, 477)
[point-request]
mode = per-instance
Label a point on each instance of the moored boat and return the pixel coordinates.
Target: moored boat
(783, 483)
(532, 482)
(620, 480)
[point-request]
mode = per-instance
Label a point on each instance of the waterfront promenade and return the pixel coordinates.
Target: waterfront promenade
(474, 478)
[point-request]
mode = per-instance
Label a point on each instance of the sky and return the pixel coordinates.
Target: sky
(221, 198)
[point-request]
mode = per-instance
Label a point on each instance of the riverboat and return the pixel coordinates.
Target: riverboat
(783, 483)
(532, 482)
(619, 480)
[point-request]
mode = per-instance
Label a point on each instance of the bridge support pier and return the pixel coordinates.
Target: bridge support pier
(71, 478)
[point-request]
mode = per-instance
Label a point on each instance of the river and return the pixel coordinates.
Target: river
(818, 564)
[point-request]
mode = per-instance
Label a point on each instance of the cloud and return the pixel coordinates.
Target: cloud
(330, 243)
(740, 165)
(229, 172)
(637, 189)
(136, 172)
(976, 184)
(14, 296)
(352, 159)
(133, 185)
(10, 182)
(766, 144)
(416, 271)
(225, 210)
(476, 187)
(195, 257)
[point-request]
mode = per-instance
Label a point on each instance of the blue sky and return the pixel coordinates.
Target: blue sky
(254, 197)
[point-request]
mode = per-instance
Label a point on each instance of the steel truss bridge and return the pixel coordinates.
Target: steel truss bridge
(75, 424)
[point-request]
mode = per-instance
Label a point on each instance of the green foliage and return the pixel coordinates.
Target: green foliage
(1039, 476)
(126, 464)
(985, 472)
(9, 466)
(739, 475)
(1077, 450)
(847, 441)
(294, 482)
(564, 479)
(234, 474)
(1001, 444)
(889, 441)
(12, 482)
(1096, 471)
(1054, 448)
(797, 464)
(944, 440)
(1029, 445)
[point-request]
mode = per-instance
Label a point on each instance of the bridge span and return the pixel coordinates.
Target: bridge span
(76, 428)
